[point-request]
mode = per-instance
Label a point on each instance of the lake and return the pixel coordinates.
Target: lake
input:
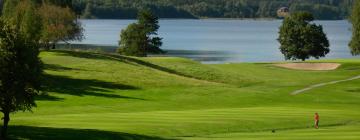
(219, 41)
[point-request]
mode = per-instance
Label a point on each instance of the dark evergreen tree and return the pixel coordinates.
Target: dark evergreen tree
(140, 39)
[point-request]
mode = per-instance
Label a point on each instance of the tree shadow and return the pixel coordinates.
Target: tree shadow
(147, 64)
(45, 133)
(81, 87)
(47, 97)
(55, 67)
(81, 54)
(356, 90)
(124, 59)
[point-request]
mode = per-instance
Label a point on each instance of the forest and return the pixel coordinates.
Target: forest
(127, 9)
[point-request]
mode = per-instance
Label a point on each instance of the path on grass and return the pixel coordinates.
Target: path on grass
(323, 84)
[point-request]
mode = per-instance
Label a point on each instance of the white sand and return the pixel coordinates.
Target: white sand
(309, 66)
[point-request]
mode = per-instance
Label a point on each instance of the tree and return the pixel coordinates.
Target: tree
(59, 24)
(355, 20)
(140, 38)
(88, 11)
(52, 24)
(26, 17)
(301, 39)
(20, 72)
(62, 3)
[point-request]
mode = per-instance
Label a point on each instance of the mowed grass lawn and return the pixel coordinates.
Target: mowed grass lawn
(96, 96)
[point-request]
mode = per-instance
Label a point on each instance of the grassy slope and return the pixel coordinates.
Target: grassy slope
(110, 97)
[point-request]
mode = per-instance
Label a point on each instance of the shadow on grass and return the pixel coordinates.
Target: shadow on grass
(47, 97)
(83, 54)
(138, 62)
(55, 67)
(148, 64)
(45, 133)
(356, 90)
(124, 59)
(81, 87)
(164, 69)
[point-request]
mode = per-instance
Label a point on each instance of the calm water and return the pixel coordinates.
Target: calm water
(219, 41)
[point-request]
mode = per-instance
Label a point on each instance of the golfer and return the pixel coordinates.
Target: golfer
(317, 118)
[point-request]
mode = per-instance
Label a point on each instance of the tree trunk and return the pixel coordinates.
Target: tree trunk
(5, 125)
(53, 46)
(47, 46)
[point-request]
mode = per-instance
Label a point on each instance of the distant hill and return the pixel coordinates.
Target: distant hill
(127, 9)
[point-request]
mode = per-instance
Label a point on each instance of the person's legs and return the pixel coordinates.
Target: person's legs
(317, 124)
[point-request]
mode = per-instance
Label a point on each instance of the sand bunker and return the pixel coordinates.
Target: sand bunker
(309, 66)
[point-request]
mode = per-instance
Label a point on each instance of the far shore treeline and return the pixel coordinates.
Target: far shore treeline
(125, 9)
(128, 9)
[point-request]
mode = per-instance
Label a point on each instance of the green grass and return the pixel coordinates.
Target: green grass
(96, 96)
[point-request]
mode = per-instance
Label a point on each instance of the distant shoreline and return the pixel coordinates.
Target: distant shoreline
(255, 19)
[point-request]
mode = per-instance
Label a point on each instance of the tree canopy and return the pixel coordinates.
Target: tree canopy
(301, 39)
(24, 15)
(59, 24)
(20, 70)
(55, 21)
(140, 38)
(355, 20)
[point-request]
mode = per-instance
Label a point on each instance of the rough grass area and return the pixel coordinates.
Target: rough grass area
(104, 97)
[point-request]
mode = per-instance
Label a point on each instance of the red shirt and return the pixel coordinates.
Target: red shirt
(317, 117)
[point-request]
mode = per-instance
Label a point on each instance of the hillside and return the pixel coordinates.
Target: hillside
(124, 9)
(101, 96)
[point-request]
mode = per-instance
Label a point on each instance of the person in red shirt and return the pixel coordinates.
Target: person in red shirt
(317, 118)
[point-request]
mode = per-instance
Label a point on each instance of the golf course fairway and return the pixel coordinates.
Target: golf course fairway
(96, 96)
